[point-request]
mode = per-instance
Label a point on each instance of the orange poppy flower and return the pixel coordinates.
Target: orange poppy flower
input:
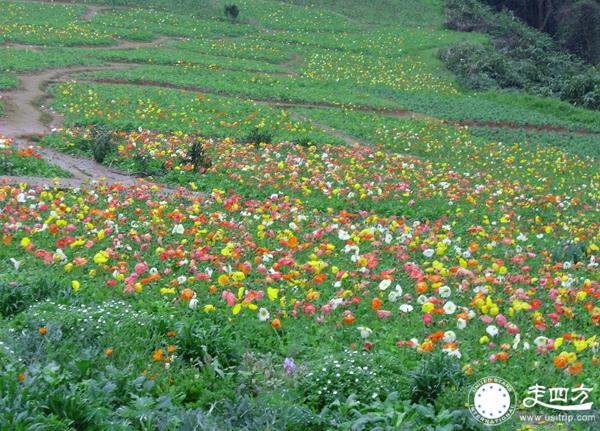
(158, 355)
(276, 323)
(421, 287)
(376, 304)
(575, 369)
(502, 356)
(187, 294)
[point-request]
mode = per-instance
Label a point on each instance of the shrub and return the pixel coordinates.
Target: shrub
(358, 373)
(16, 297)
(304, 142)
(101, 142)
(432, 375)
(518, 57)
(396, 414)
(207, 343)
(198, 157)
(583, 90)
(145, 165)
(231, 11)
(259, 136)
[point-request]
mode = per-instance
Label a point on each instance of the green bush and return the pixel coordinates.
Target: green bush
(394, 413)
(101, 142)
(363, 374)
(16, 297)
(519, 57)
(259, 136)
(432, 376)
(198, 156)
(207, 343)
(232, 11)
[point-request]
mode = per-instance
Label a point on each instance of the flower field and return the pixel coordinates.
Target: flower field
(317, 244)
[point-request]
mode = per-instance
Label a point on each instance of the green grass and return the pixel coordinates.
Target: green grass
(491, 107)
(43, 24)
(21, 60)
(578, 144)
(146, 24)
(404, 13)
(8, 81)
(20, 165)
(251, 85)
(130, 107)
(170, 56)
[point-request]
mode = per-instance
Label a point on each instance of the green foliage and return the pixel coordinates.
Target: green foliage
(205, 343)
(432, 376)
(198, 157)
(259, 136)
(578, 29)
(7, 82)
(519, 57)
(11, 163)
(360, 373)
(101, 142)
(16, 296)
(569, 251)
(393, 413)
(231, 11)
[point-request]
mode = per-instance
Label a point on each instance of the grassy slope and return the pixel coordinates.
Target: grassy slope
(443, 150)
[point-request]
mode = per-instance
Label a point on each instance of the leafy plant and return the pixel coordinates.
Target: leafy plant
(393, 413)
(207, 343)
(231, 11)
(518, 57)
(351, 372)
(259, 136)
(432, 375)
(198, 156)
(101, 142)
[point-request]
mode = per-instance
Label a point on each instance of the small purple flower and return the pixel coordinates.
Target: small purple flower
(289, 366)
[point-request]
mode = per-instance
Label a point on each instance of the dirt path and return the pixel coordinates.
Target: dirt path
(22, 117)
(293, 61)
(92, 11)
(84, 172)
(23, 121)
(349, 140)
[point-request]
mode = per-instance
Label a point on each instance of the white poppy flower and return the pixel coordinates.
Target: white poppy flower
(449, 307)
(492, 330)
(449, 337)
(406, 308)
(364, 331)
(263, 314)
(445, 291)
(178, 229)
(384, 284)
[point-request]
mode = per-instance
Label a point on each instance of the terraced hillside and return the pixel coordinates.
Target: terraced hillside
(296, 219)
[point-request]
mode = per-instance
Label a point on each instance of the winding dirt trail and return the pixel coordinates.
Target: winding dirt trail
(23, 121)
(22, 117)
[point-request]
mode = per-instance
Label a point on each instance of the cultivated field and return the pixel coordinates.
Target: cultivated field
(292, 220)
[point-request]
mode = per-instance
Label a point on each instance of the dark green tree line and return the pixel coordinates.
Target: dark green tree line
(575, 24)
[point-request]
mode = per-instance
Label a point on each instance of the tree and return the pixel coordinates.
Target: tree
(579, 29)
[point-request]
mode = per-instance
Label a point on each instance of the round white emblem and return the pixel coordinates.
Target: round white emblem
(492, 400)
